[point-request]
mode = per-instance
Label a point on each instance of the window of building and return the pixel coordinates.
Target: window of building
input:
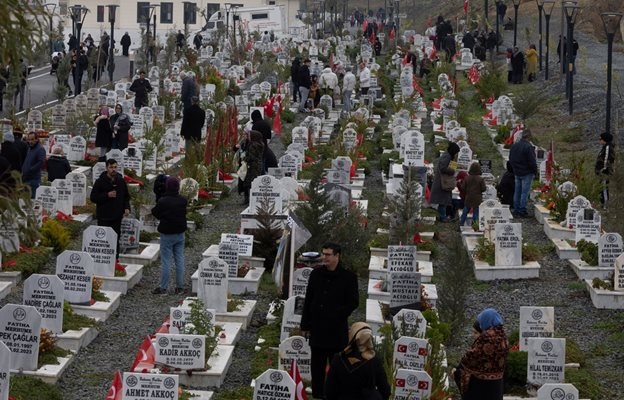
(166, 13)
(260, 16)
(100, 13)
(190, 13)
(143, 11)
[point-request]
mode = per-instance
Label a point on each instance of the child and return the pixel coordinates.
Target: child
(473, 186)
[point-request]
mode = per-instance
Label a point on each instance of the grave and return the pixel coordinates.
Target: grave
(5, 371)
(75, 269)
(213, 283)
(296, 348)
(411, 353)
(291, 320)
(77, 149)
(48, 196)
(24, 323)
(536, 322)
(139, 386)
(412, 385)
(184, 352)
(46, 294)
(65, 197)
(409, 323)
(274, 384)
(101, 243)
(557, 391)
(546, 361)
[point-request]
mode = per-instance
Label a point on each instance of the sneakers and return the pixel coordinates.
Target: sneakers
(179, 290)
(159, 290)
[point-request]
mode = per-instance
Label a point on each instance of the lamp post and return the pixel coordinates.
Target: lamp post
(572, 12)
(152, 46)
(396, 14)
(610, 21)
(548, 9)
(540, 6)
(498, 3)
(234, 18)
(78, 15)
(112, 9)
(516, 4)
(188, 9)
(227, 6)
(485, 9)
(50, 7)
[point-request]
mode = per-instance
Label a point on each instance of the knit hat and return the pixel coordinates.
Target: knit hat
(9, 137)
(172, 184)
(606, 136)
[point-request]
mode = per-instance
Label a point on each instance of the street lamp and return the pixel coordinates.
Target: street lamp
(50, 7)
(396, 13)
(227, 6)
(572, 12)
(540, 6)
(78, 15)
(234, 19)
(548, 9)
(112, 9)
(516, 4)
(498, 3)
(610, 21)
(485, 9)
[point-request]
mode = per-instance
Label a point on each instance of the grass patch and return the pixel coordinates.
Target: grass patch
(29, 388)
(27, 263)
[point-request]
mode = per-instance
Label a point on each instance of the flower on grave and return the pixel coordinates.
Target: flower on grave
(47, 341)
(131, 239)
(92, 301)
(9, 264)
(189, 328)
(515, 347)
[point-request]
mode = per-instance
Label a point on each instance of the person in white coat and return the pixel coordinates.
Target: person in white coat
(348, 86)
(364, 78)
(328, 81)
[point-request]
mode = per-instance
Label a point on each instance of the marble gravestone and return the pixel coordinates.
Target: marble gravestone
(610, 246)
(278, 172)
(537, 322)
(301, 277)
(46, 293)
(213, 284)
(293, 309)
(48, 196)
(574, 205)
(228, 252)
(296, 348)
(618, 274)
(183, 352)
(265, 188)
(338, 177)
(413, 146)
(342, 163)
(546, 361)
(587, 225)
(275, 385)
(402, 259)
(77, 148)
(130, 234)
(558, 391)
(101, 243)
(20, 327)
(410, 353)
(79, 188)
(5, 371)
(97, 170)
(412, 385)
(404, 288)
(75, 269)
(409, 323)
(289, 164)
(139, 386)
(508, 245)
(65, 197)
(244, 242)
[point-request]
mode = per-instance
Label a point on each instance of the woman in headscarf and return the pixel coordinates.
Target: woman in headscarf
(439, 196)
(480, 372)
(103, 133)
(253, 148)
(356, 373)
(121, 123)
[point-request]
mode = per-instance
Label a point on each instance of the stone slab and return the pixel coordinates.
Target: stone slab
(75, 340)
(83, 218)
(565, 250)
(14, 277)
(5, 289)
(541, 213)
(378, 270)
(100, 310)
(49, 373)
(248, 284)
(213, 251)
(121, 284)
(585, 271)
(242, 316)
(149, 254)
(219, 363)
(486, 272)
(553, 230)
(607, 299)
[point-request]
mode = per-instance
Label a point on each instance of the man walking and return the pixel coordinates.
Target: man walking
(141, 87)
(33, 163)
(125, 44)
(524, 165)
(331, 296)
(111, 197)
(348, 86)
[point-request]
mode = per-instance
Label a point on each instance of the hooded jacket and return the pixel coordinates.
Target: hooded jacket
(171, 211)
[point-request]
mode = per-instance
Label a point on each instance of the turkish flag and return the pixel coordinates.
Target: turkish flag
(399, 382)
(300, 393)
(277, 123)
(364, 25)
(423, 385)
(422, 351)
(392, 34)
(466, 5)
(115, 392)
(145, 357)
(401, 348)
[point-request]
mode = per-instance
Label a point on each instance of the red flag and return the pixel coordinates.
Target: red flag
(422, 351)
(115, 391)
(405, 58)
(364, 25)
(401, 348)
(423, 385)
(392, 34)
(466, 5)
(331, 61)
(399, 382)
(300, 393)
(145, 358)
(277, 123)
(372, 38)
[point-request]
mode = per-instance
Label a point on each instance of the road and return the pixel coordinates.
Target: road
(40, 86)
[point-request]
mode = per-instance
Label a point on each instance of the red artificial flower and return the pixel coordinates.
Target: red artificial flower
(204, 194)
(92, 301)
(8, 264)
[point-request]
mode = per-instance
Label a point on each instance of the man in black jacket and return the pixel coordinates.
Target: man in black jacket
(111, 197)
(193, 121)
(261, 125)
(524, 165)
(294, 76)
(141, 87)
(305, 81)
(331, 296)
(10, 152)
(171, 211)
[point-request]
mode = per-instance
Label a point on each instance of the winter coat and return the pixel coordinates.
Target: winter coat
(531, 61)
(439, 196)
(522, 158)
(506, 187)
(58, 167)
(189, 89)
(294, 71)
(605, 160)
(254, 155)
(330, 298)
(345, 380)
(304, 78)
(33, 163)
(365, 76)
(123, 124)
(140, 87)
(348, 82)
(269, 160)
(110, 208)
(264, 128)
(13, 156)
(328, 79)
(104, 132)
(126, 41)
(192, 123)
(170, 209)
(474, 186)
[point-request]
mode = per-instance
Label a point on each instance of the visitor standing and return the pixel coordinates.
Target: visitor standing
(58, 165)
(531, 63)
(193, 121)
(10, 152)
(33, 163)
(364, 78)
(125, 44)
(294, 77)
(189, 89)
(348, 86)
(141, 87)
(473, 185)
(442, 195)
(506, 186)
(252, 149)
(120, 121)
(103, 132)
(524, 164)
(170, 209)
(331, 296)
(261, 125)
(304, 81)
(604, 164)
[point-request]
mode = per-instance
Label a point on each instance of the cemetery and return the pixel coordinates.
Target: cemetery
(362, 178)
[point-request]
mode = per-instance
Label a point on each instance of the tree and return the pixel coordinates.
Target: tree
(22, 28)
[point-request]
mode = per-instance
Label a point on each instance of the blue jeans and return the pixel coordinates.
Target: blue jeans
(521, 193)
(346, 100)
(303, 93)
(172, 245)
(475, 215)
(34, 184)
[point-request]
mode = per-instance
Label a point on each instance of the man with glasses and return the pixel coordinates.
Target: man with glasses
(331, 296)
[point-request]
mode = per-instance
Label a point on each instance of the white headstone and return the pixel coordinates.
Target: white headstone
(77, 148)
(75, 269)
(244, 242)
(139, 386)
(101, 243)
(618, 275)
(267, 188)
(574, 205)
(274, 384)
(410, 353)
(46, 293)
(130, 234)
(404, 288)
(490, 216)
(537, 322)
(65, 195)
(300, 281)
(96, 171)
(180, 351)
(20, 327)
(464, 158)
(300, 136)
(409, 323)
(213, 283)
(412, 385)
(413, 146)
(189, 188)
(9, 238)
(293, 309)
(296, 348)
(133, 159)
(508, 245)
(342, 163)
(228, 252)
(402, 259)
(587, 225)
(289, 164)
(48, 196)
(79, 188)
(179, 317)
(558, 391)
(546, 361)
(338, 177)
(610, 246)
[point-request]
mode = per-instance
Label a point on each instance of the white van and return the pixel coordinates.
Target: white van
(251, 19)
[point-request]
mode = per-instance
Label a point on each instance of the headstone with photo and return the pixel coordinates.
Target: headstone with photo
(537, 322)
(610, 247)
(301, 276)
(349, 139)
(588, 225)
(296, 348)
(79, 188)
(20, 328)
(289, 164)
(409, 323)
(411, 353)
(184, 352)
(101, 243)
(508, 244)
(574, 205)
(293, 309)
(130, 234)
(65, 197)
(338, 194)
(133, 159)
(213, 284)
(46, 293)
(274, 384)
(546, 361)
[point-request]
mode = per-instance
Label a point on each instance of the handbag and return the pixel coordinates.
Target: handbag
(447, 182)
(242, 170)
